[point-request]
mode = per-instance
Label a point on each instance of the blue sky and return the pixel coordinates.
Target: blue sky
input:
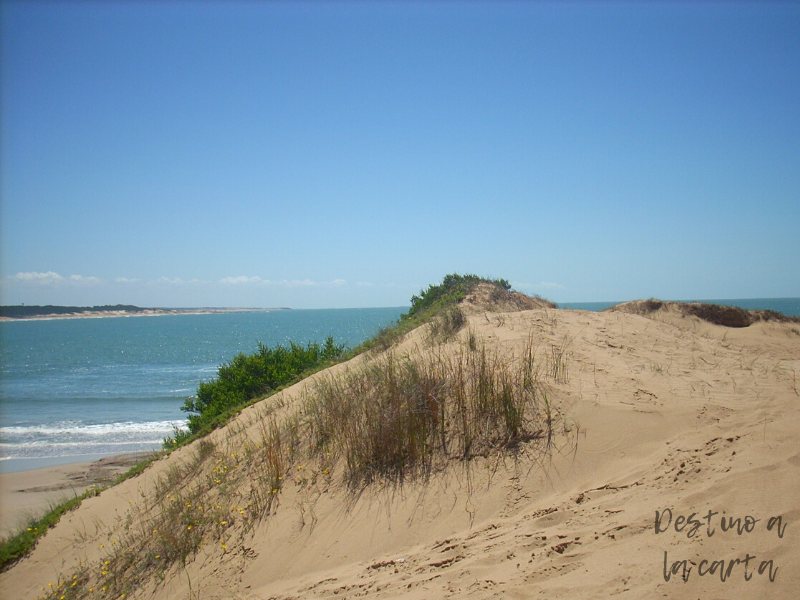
(348, 154)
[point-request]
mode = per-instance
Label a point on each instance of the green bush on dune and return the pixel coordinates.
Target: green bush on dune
(251, 376)
(452, 290)
(437, 300)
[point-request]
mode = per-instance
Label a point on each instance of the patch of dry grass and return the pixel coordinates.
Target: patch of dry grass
(405, 415)
(393, 418)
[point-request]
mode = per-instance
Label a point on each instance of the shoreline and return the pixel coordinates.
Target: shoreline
(31, 493)
(148, 312)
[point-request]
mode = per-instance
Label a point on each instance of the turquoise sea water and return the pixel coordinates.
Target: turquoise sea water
(70, 388)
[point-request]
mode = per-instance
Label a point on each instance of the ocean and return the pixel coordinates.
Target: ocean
(75, 389)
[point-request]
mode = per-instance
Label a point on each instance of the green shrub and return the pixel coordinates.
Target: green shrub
(452, 290)
(251, 376)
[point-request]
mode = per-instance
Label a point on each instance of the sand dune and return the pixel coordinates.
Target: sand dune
(666, 413)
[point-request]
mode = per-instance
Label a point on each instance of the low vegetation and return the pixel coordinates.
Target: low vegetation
(393, 418)
(249, 377)
(438, 302)
(446, 325)
(19, 545)
(727, 316)
(453, 289)
(406, 415)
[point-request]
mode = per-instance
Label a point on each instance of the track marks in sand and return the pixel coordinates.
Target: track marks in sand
(643, 401)
(683, 466)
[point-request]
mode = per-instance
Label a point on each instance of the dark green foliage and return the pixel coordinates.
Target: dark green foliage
(452, 290)
(251, 376)
(426, 307)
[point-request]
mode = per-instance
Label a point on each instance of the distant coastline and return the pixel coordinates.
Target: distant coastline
(48, 312)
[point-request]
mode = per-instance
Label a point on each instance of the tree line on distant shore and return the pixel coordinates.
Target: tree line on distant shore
(22, 311)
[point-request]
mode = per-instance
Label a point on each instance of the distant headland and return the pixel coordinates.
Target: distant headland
(20, 312)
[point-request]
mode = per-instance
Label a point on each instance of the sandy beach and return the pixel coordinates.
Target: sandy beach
(147, 312)
(674, 473)
(27, 494)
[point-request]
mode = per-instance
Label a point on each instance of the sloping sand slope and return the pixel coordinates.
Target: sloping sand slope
(671, 414)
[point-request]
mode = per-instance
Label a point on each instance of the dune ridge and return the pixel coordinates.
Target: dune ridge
(670, 413)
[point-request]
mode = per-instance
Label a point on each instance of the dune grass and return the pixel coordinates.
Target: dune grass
(717, 314)
(446, 325)
(438, 304)
(19, 545)
(249, 378)
(406, 415)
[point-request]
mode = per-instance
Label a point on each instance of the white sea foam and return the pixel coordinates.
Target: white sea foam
(72, 438)
(77, 428)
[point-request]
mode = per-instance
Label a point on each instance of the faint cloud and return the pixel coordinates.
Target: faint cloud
(167, 280)
(37, 278)
(176, 281)
(243, 280)
(364, 284)
(289, 283)
(52, 278)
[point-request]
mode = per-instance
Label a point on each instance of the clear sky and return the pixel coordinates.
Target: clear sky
(347, 154)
